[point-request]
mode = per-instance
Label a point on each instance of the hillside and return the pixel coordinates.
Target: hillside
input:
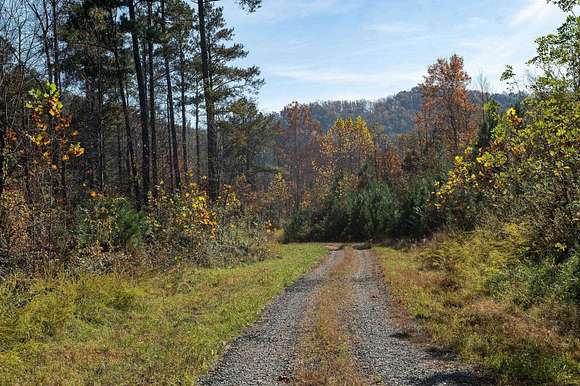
(396, 113)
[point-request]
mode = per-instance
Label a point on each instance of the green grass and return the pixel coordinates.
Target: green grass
(518, 346)
(152, 328)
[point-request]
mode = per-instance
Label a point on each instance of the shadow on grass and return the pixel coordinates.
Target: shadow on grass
(457, 378)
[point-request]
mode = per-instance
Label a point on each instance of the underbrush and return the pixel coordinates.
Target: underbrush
(479, 294)
(106, 233)
(150, 327)
(369, 210)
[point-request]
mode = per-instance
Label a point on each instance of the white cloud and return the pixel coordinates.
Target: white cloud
(536, 12)
(512, 43)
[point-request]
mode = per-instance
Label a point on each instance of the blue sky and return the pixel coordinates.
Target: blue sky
(311, 50)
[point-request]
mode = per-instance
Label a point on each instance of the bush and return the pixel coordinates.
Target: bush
(416, 218)
(364, 213)
(546, 281)
(33, 235)
(494, 261)
(529, 174)
(243, 238)
(187, 227)
(111, 223)
(182, 222)
(299, 228)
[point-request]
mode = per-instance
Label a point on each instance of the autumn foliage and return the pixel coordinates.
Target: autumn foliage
(445, 122)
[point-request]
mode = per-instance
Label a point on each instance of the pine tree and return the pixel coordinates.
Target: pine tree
(212, 145)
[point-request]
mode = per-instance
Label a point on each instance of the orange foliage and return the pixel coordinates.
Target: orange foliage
(298, 148)
(446, 116)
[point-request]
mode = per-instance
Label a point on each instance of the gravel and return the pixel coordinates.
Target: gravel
(264, 354)
(380, 348)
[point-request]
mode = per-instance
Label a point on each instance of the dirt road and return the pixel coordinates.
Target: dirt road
(332, 327)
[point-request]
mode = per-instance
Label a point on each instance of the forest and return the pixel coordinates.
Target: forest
(150, 209)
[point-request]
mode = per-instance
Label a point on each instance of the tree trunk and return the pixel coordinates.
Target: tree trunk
(131, 164)
(183, 116)
(172, 130)
(155, 173)
(119, 158)
(2, 160)
(212, 166)
(55, 45)
(3, 124)
(142, 104)
(101, 139)
(197, 144)
(170, 150)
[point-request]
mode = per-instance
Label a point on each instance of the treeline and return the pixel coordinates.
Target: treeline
(127, 125)
(148, 99)
(464, 164)
(396, 114)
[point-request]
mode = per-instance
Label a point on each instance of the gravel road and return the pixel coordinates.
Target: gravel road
(379, 346)
(266, 353)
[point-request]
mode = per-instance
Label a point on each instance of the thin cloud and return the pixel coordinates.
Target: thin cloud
(395, 28)
(536, 11)
(273, 11)
(345, 77)
(492, 52)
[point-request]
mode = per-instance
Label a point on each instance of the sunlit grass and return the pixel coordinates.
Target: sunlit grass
(151, 328)
(516, 345)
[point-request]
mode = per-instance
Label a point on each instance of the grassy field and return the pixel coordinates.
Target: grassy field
(154, 328)
(517, 345)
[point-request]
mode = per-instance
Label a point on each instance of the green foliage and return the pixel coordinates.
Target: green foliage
(298, 227)
(362, 213)
(529, 175)
(566, 5)
(494, 261)
(111, 223)
(416, 218)
(490, 121)
(533, 283)
(529, 172)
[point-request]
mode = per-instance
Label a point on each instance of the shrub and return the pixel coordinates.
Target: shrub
(182, 221)
(529, 174)
(494, 261)
(243, 238)
(362, 213)
(416, 217)
(187, 227)
(112, 224)
(298, 229)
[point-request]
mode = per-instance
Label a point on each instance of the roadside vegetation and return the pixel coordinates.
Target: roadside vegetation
(147, 328)
(519, 324)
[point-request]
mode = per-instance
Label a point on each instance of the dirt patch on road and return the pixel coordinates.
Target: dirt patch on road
(325, 345)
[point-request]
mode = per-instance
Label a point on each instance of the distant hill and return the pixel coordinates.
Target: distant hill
(396, 114)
